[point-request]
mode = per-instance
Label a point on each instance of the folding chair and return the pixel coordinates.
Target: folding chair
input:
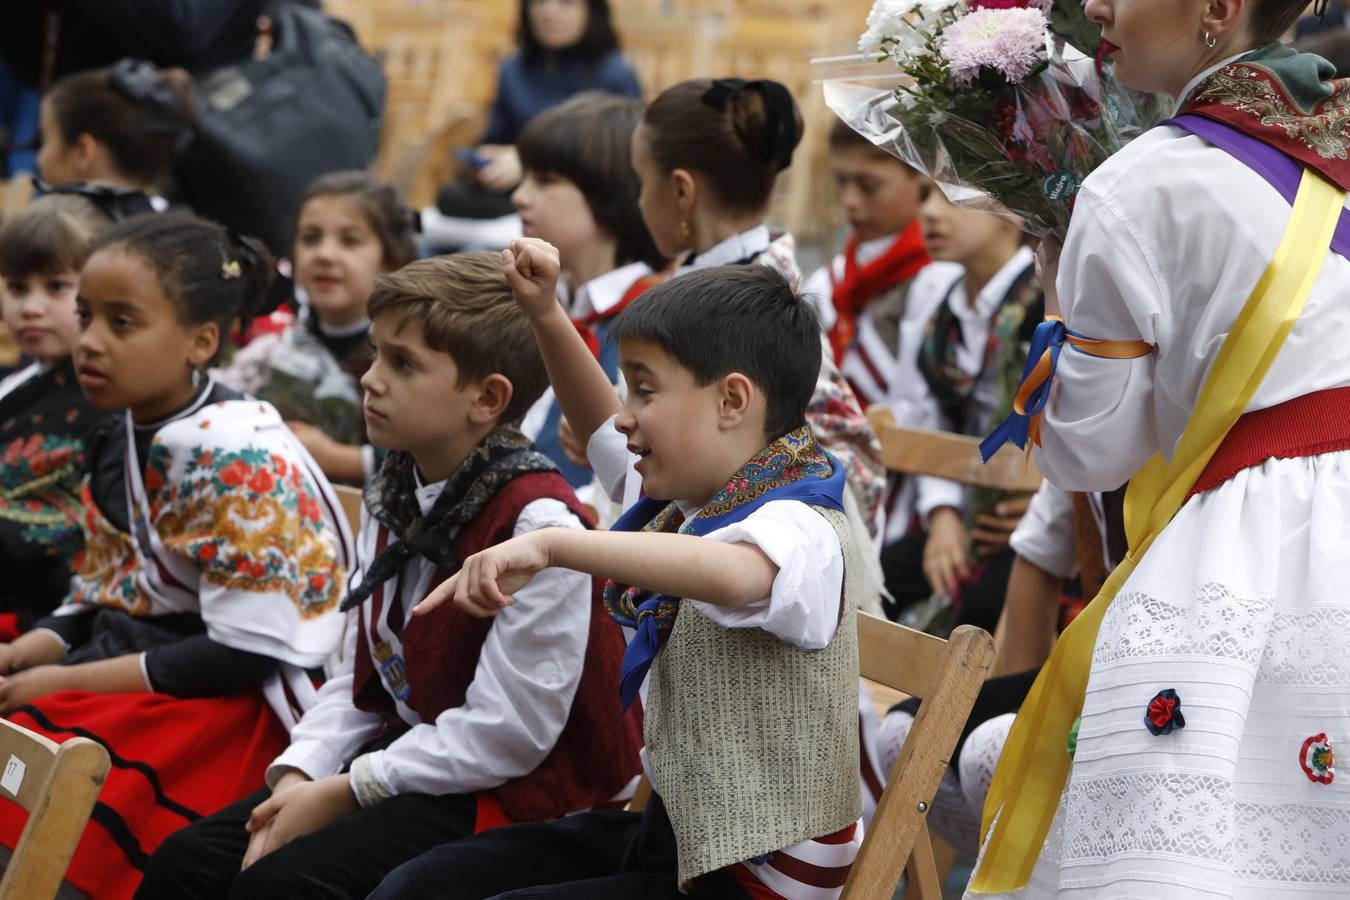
(57, 785)
(945, 676)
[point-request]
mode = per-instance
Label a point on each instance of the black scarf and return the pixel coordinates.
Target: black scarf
(391, 497)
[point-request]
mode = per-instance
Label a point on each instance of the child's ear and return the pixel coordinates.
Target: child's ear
(494, 396)
(87, 153)
(735, 400)
(685, 186)
(204, 343)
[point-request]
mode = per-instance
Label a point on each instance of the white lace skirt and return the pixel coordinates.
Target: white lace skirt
(1242, 607)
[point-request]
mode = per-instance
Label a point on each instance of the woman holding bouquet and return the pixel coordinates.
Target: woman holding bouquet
(1213, 673)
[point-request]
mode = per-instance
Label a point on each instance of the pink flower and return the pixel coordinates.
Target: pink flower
(1010, 42)
(1043, 5)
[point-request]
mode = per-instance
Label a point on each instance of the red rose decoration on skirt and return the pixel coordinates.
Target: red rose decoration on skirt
(1317, 759)
(1164, 713)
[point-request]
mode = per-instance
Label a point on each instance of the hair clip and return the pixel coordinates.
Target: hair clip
(231, 270)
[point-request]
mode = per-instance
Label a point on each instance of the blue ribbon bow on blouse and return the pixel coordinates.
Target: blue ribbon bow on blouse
(1024, 422)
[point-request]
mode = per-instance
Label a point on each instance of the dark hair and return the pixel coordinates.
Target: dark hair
(210, 274)
(142, 115)
(50, 236)
(388, 216)
(1272, 18)
(465, 308)
(588, 141)
(597, 41)
(726, 319)
(729, 146)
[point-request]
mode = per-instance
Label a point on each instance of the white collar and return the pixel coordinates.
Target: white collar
(603, 293)
(991, 297)
(868, 251)
(751, 242)
(427, 493)
(1195, 82)
(361, 326)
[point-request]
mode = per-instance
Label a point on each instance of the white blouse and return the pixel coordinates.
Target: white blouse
(1168, 238)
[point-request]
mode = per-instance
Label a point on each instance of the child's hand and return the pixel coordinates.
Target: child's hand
(992, 532)
(486, 581)
(300, 809)
(573, 446)
(532, 270)
(30, 684)
(946, 552)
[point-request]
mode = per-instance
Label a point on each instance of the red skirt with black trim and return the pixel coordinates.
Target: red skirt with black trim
(173, 762)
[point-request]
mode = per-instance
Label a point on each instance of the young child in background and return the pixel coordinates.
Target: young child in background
(863, 295)
(745, 617)
(707, 154)
(213, 560)
(122, 125)
(351, 227)
(45, 421)
(580, 193)
(449, 724)
(970, 354)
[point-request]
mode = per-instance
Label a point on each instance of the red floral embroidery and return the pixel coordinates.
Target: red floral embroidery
(262, 482)
(1318, 759)
(206, 552)
(234, 474)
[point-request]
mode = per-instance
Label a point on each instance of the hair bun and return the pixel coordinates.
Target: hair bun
(256, 269)
(770, 126)
(163, 97)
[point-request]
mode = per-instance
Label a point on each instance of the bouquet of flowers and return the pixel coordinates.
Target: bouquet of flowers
(1007, 104)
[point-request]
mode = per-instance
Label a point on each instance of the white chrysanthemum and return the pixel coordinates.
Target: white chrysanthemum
(896, 27)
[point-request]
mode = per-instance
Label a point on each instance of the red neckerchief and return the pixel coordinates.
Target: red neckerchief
(902, 260)
(586, 324)
(1282, 99)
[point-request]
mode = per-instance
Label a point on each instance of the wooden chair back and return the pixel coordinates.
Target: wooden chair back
(955, 457)
(946, 676)
(57, 784)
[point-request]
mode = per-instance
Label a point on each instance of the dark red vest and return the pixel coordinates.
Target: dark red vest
(597, 753)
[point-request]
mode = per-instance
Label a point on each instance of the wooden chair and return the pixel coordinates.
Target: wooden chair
(956, 457)
(57, 784)
(946, 677)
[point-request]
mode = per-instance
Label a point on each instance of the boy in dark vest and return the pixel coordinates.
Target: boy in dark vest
(737, 570)
(434, 727)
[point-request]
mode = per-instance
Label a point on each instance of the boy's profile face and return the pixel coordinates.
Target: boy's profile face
(553, 208)
(413, 401)
(960, 234)
(879, 194)
(670, 422)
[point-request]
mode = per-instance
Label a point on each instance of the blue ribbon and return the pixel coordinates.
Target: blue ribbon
(1049, 338)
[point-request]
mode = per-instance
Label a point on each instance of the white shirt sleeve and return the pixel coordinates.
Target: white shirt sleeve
(818, 291)
(521, 693)
(1045, 536)
(1099, 425)
(331, 730)
(608, 453)
(803, 605)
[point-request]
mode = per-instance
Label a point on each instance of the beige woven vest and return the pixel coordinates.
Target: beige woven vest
(753, 742)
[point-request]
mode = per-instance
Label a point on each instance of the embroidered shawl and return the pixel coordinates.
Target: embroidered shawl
(1287, 100)
(232, 520)
(391, 497)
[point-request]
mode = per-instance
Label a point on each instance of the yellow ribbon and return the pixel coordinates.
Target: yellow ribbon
(1034, 767)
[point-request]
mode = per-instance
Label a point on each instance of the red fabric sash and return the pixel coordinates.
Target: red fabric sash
(902, 260)
(586, 324)
(1310, 425)
(174, 760)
